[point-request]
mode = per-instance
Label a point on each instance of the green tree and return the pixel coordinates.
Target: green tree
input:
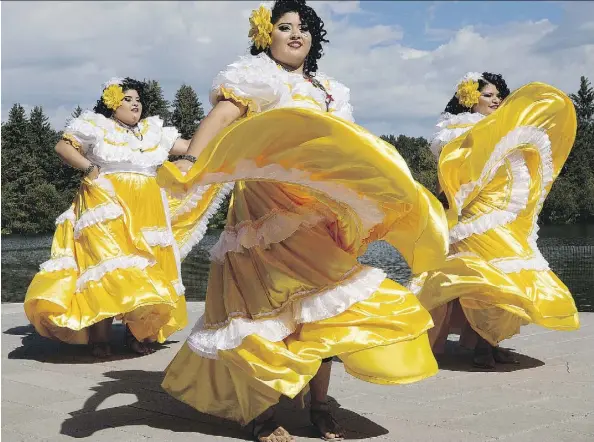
(584, 101)
(418, 157)
(155, 101)
(41, 141)
(30, 201)
(14, 134)
(77, 112)
(187, 111)
(571, 198)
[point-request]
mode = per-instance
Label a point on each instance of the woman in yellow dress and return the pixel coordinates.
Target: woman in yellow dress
(115, 253)
(497, 163)
(286, 292)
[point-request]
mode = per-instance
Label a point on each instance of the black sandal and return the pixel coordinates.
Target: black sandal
(131, 342)
(503, 356)
(483, 358)
(321, 414)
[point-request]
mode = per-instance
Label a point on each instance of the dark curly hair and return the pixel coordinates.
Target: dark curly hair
(314, 24)
(127, 84)
(454, 106)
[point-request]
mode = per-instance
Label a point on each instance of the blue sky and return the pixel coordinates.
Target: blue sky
(401, 60)
(419, 18)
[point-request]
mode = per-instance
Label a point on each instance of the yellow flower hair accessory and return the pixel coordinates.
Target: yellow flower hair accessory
(261, 26)
(467, 92)
(113, 96)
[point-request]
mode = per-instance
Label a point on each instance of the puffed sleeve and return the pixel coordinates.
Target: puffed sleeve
(169, 134)
(342, 100)
(253, 81)
(81, 132)
(449, 127)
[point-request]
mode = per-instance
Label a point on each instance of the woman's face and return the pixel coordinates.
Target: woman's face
(489, 100)
(291, 41)
(130, 109)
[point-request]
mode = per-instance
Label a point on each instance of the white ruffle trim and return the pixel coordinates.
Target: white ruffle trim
(174, 245)
(207, 342)
(446, 132)
(518, 200)
(105, 184)
(369, 213)
(107, 143)
(97, 272)
(272, 228)
(179, 287)
(199, 230)
(254, 78)
(169, 135)
(66, 216)
(259, 81)
(57, 264)
(196, 193)
(96, 215)
(158, 237)
(521, 136)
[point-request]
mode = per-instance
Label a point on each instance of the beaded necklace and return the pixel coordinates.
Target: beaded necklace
(134, 130)
(328, 100)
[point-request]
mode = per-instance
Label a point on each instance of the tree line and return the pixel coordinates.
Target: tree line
(37, 186)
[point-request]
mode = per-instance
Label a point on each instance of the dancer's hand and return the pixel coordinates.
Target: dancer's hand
(183, 165)
(94, 174)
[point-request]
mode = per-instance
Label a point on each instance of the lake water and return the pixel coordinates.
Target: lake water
(569, 250)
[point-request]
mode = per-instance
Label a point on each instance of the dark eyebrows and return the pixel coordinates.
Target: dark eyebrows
(291, 24)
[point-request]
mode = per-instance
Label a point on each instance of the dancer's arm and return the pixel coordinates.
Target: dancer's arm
(222, 115)
(180, 147)
(71, 156)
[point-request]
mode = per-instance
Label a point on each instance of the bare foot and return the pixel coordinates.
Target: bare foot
(268, 430)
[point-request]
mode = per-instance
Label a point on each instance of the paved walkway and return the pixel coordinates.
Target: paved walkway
(53, 392)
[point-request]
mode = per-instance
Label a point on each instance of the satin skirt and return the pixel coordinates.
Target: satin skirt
(285, 288)
(116, 254)
(496, 178)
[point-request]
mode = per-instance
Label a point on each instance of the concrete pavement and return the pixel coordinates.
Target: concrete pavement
(54, 392)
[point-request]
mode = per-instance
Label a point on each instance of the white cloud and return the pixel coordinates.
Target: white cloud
(57, 54)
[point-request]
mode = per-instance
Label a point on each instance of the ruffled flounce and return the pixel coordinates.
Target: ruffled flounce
(356, 175)
(195, 234)
(381, 340)
(499, 276)
(449, 127)
(97, 262)
(258, 83)
(105, 143)
(208, 339)
(272, 228)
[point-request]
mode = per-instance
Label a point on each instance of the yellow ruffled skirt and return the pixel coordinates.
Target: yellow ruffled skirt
(496, 178)
(116, 254)
(285, 288)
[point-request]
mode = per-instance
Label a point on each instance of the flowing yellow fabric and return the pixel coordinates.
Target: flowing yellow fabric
(285, 288)
(496, 177)
(114, 255)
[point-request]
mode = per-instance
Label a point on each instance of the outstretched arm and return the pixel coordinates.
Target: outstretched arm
(222, 115)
